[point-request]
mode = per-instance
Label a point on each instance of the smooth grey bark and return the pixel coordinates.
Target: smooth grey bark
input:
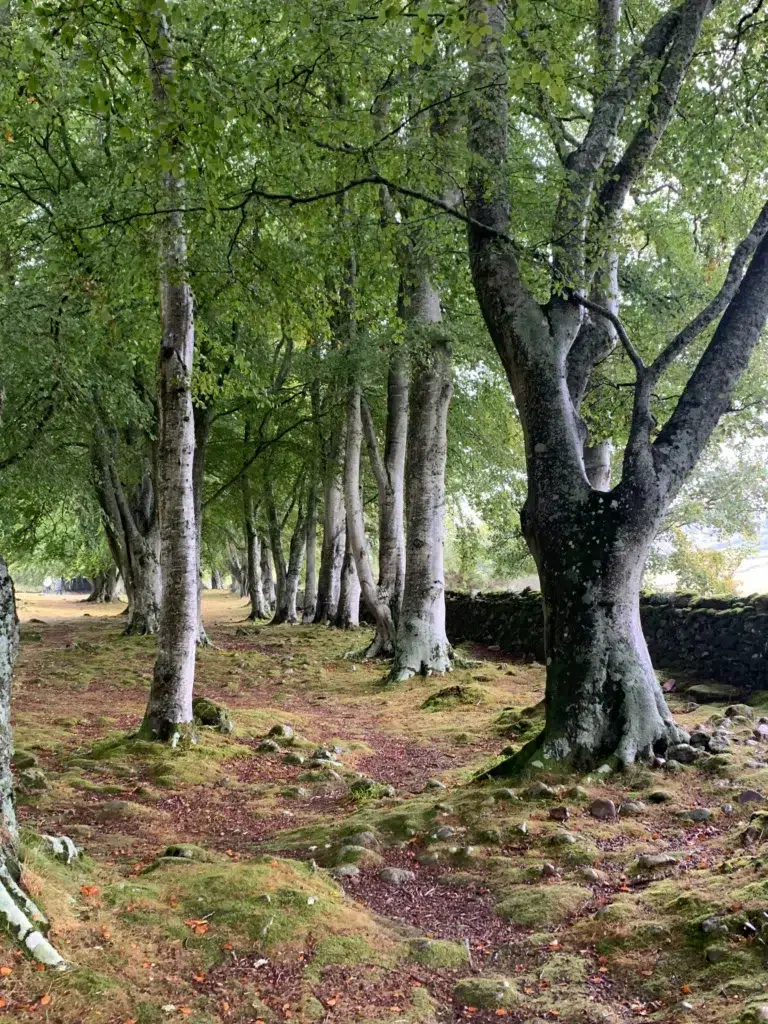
(310, 574)
(168, 716)
(203, 419)
(104, 586)
(238, 571)
(287, 574)
(602, 698)
(131, 525)
(18, 913)
(421, 645)
(267, 577)
(216, 580)
(389, 473)
(348, 607)
(334, 529)
(376, 603)
(259, 608)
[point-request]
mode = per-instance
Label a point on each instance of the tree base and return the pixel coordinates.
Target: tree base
(542, 748)
(159, 730)
(140, 627)
(25, 922)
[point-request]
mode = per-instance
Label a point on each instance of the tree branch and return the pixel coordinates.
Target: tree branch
(611, 317)
(729, 287)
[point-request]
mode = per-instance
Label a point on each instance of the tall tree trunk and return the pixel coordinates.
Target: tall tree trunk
(216, 580)
(267, 578)
(377, 605)
(131, 526)
(295, 560)
(202, 427)
(281, 569)
(422, 645)
(389, 473)
(259, 609)
(348, 607)
(310, 585)
(18, 914)
(98, 586)
(334, 530)
(169, 708)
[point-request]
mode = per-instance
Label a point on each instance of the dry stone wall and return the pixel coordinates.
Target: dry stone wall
(724, 639)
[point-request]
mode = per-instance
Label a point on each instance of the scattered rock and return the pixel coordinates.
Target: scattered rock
(506, 794)
(761, 732)
(603, 809)
(434, 784)
(485, 993)
(295, 792)
(750, 796)
(559, 813)
(450, 696)
(685, 753)
(756, 764)
(727, 808)
(22, 760)
(604, 770)
(360, 855)
(31, 780)
(268, 747)
(697, 814)
(442, 808)
(281, 732)
(445, 832)
(592, 875)
(396, 876)
(212, 715)
(712, 693)
(673, 765)
(578, 793)
(345, 871)
(719, 743)
(539, 791)
(548, 870)
(654, 861)
(714, 927)
(430, 857)
(739, 711)
(367, 839)
(631, 808)
(522, 827)
(293, 758)
(321, 754)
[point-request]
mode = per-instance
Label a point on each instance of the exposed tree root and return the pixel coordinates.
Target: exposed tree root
(639, 743)
(25, 922)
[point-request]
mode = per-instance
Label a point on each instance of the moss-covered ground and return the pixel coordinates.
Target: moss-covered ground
(374, 882)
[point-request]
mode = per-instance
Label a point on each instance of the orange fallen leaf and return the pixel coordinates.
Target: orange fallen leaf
(5, 971)
(199, 977)
(685, 989)
(44, 1000)
(89, 890)
(501, 1012)
(2, 1002)
(185, 1010)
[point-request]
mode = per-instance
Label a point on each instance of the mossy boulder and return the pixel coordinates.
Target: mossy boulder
(358, 855)
(543, 904)
(486, 993)
(212, 715)
(438, 952)
(453, 696)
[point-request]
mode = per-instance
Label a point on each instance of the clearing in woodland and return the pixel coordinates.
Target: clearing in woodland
(347, 869)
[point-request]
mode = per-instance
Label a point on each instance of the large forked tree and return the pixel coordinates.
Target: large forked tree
(590, 544)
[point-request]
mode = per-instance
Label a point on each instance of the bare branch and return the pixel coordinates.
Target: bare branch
(661, 108)
(611, 317)
(708, 393)
(729, 287)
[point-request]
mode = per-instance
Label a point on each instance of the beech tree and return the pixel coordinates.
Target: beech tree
(169, 708)
(590, 541)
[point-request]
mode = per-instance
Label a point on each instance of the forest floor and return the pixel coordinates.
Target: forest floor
(309, 892)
